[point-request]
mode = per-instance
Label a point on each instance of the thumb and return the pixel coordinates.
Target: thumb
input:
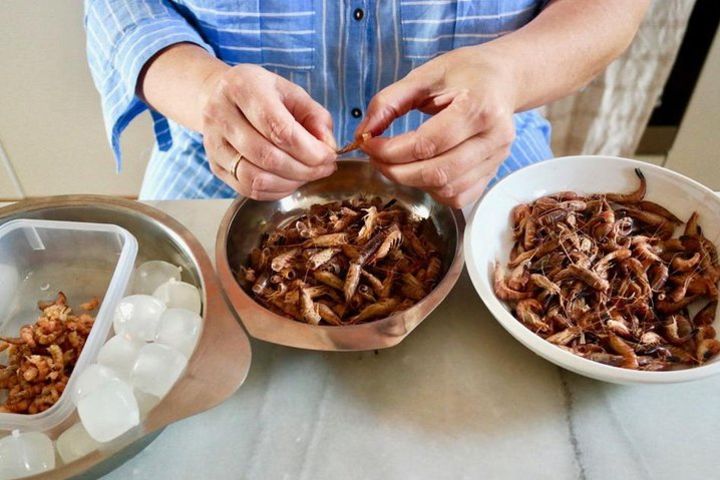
(391, 102)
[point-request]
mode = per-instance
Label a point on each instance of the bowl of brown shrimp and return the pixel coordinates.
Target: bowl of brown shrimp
(350, 262)
(605, 266)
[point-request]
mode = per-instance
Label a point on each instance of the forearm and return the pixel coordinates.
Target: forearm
(566, 46)
(175, 82)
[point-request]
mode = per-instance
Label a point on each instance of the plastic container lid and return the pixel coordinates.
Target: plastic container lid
(38, 258)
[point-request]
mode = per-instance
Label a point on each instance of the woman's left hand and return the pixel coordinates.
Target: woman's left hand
(471, 93)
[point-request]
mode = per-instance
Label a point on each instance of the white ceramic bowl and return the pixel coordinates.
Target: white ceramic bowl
(488, 237)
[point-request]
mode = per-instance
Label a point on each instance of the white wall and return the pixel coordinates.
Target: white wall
(50, 122)
(696, 147)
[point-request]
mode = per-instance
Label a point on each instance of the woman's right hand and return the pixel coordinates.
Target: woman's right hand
(283, 137)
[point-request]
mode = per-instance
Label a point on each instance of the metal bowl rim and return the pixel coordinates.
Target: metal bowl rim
(232, 287)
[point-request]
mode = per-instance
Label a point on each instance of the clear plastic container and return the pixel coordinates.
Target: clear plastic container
(38, 258)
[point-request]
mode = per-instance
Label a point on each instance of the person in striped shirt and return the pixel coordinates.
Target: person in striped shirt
(253, 97)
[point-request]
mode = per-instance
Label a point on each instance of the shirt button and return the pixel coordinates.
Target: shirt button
(356, 112)
(358, 14)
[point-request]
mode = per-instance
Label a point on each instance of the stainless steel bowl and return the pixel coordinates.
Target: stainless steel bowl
(221, 360)
(247, 220)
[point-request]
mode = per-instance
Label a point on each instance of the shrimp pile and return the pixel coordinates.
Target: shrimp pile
(344, 263)
(41, 359)
(603, 277)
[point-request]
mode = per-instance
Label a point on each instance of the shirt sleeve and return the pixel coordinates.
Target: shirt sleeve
(122, 35)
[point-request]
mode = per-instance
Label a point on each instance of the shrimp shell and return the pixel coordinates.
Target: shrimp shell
(416, 245)
(355, 144)
(605, 358)
(679, 354)
(646, 251)
(541, 281)
(632, 197)
(519, 213)
(26, 335)
(706, 316)
(586, 275)
(658, 276)
(352, 280)
(308, 308)
(666, 306)
(318, 259)
(673, 328)
(328, 240)
(282, 260)
(530, 233)
(565, 336)
(328, 314)
(90, 305)
(691, 227)
(519, 276)
(387, 284)
(369, 224)
(391, 241)
(260, 286)
(375, 283)
(707, 349)
(620, 347)
(412, 287)
(617, 326)
(60, 300)
(651, 339)
(527, 311)
(501, 289)
(656, 209)
(433, 270)
(381, 308)
(348, 216)
(604, 263)
(681, 264)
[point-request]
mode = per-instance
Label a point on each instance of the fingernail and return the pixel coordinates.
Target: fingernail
(329, 139)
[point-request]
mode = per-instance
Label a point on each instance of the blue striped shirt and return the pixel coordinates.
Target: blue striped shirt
(342, 52)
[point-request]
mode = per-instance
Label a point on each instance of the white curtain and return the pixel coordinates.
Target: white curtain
(610, 115)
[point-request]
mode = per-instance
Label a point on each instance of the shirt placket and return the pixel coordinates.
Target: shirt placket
(355, 64)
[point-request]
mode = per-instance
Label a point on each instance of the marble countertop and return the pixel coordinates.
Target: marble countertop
(459, 398)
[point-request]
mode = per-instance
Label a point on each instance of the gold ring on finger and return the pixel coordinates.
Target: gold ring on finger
(239, 158)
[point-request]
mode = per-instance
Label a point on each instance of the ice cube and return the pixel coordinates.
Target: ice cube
(157, 368)
(74, 443)
(150, 275)
(92, 378)
(119, 354)
(179, 295)
(25, 454)
(146, 402)
(109, 411)
(180, 329)
(137, 315)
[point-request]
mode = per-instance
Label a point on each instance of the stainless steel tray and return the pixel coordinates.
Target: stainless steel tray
(221, 360)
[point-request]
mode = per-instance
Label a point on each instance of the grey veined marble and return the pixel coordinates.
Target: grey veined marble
(458, 399)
